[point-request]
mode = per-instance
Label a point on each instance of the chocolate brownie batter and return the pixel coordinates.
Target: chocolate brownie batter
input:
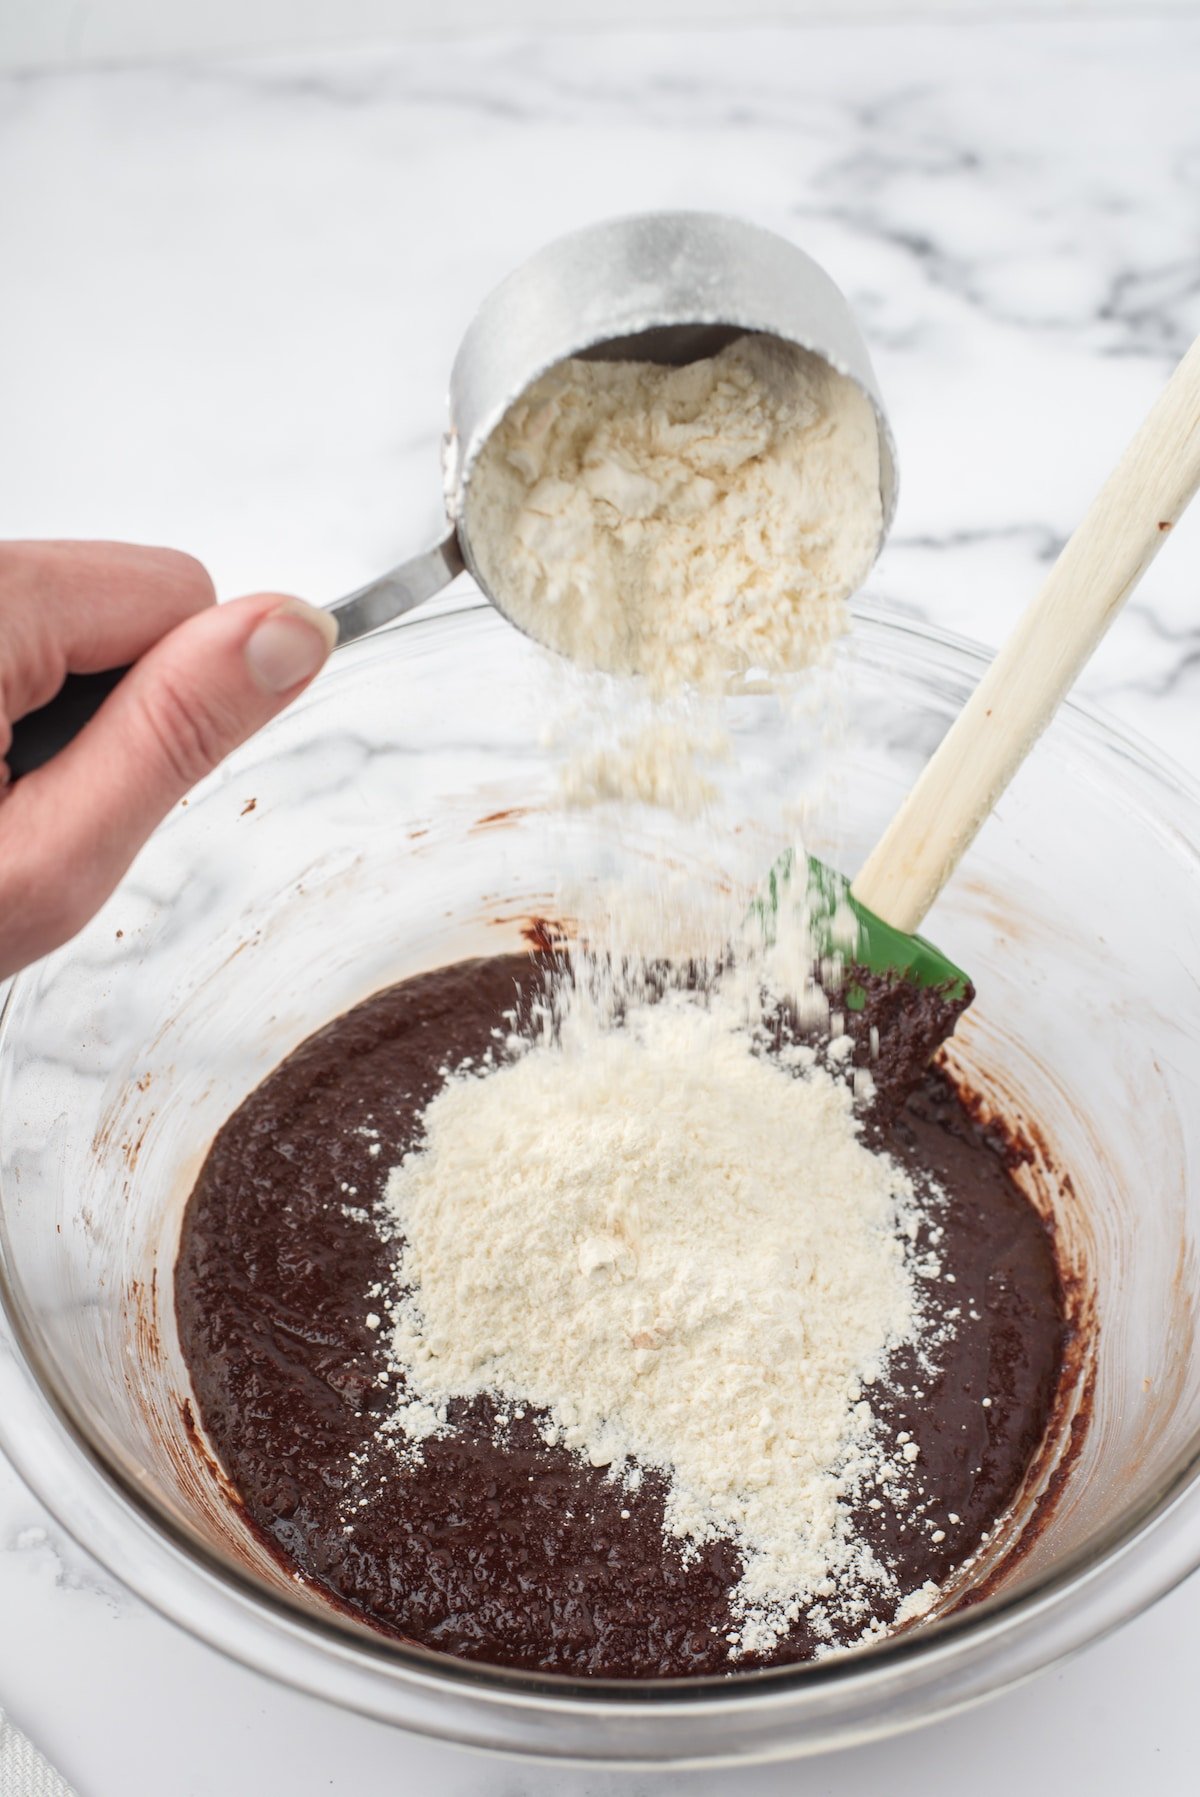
(514, 1553)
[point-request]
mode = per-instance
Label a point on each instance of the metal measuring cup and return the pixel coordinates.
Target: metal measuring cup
(668, 287)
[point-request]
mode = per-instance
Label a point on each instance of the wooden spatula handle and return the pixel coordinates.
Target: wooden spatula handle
(1120, 535)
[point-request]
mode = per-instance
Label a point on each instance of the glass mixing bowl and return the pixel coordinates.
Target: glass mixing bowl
(404, 813)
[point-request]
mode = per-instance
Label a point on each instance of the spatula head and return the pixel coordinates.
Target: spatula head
(845, 929)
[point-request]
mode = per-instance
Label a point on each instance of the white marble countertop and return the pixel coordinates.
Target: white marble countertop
(232, 293)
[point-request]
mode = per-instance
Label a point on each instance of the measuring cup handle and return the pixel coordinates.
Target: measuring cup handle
(389, 597)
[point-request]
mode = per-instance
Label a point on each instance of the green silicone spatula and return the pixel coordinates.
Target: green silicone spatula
(1126, 525)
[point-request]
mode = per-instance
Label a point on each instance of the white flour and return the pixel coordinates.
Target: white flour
(682, 1251)
(663, 764)
(682, 523)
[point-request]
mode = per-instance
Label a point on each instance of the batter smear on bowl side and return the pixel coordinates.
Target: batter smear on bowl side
(630, 1345)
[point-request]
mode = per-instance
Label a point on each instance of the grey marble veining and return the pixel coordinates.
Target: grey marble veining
(231, 295)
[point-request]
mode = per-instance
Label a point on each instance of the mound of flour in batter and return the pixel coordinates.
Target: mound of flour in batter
(682, 1250)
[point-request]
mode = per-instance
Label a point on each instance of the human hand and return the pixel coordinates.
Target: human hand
(206, 678)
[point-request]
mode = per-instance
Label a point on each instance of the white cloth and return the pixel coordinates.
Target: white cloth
(23, 1771)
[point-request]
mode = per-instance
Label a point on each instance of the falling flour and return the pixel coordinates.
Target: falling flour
(666, 764)
(683, 1253)
(682, 523)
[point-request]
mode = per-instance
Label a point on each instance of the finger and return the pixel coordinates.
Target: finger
(79, 607)
(71, 829)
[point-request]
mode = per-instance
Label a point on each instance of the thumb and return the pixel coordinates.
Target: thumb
(204, 688)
